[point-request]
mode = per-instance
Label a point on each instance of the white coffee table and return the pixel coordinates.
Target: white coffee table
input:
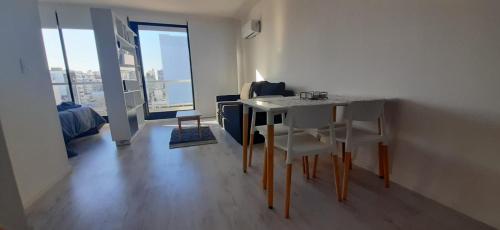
(189, 115)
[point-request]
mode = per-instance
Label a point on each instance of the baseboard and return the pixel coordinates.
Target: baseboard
(29, 202)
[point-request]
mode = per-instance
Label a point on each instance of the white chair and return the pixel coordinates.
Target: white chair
(351, 137)
(279, 130)
(304, 144)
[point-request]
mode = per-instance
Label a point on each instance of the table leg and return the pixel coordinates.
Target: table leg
(199, 128)
(252, 136)
(334, 113)
(180, 127)
(386, 165)
(270, 159)
(245, 137)
(264, 170)
(380, 160)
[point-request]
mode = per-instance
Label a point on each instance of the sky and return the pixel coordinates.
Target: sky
(82, 52)
(150, 47)
(82, 55)
(80, 49)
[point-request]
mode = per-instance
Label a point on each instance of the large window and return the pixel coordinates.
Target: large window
(166, 62)
(84, 68)
(57, 69)
(81, 59)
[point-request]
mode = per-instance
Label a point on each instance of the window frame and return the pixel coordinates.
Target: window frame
(134, 25)
(69, 82)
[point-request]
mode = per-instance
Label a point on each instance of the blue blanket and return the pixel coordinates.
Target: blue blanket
(78, 122)
(67, 105)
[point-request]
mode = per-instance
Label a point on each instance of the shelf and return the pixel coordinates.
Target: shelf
(132, 91)
(124, 25)
(132, 80)
(124, 41)
(113, 35)
(128, 66)
(133, 99)
(134, 108)
(130, 31)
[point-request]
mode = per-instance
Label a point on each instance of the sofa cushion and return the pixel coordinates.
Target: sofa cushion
(225, 107)
(224, 98)
(265, 88)
(272, 89)
(255, 89)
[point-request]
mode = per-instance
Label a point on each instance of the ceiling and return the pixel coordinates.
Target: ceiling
(222, 8)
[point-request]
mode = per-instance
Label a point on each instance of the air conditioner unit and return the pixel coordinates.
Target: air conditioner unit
(251, 29)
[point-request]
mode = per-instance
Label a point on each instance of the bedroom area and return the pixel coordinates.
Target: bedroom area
(75, 76)
(164, 65)
(83, 44)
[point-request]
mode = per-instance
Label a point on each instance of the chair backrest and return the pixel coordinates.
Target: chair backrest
(372, 110)
(309, 117)
(365, 110)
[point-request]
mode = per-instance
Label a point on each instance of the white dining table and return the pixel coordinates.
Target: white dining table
(278, 105)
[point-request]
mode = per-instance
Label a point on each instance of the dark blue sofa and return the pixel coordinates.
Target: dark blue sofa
(230, 111)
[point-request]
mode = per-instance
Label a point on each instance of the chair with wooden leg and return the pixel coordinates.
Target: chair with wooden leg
(304, 144)
(337, 125)
(351, 137)
(279, 130)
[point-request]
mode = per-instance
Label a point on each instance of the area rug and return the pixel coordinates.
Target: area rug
(191, 137)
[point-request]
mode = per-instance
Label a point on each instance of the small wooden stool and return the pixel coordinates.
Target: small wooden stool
(189, 115)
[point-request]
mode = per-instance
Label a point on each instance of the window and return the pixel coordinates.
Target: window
(55, 61)
(167, 68)
(84, 68)
(81, 59)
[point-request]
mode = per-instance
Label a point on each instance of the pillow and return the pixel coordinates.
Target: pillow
(245, 91)
(255, 88)
(67, 105)
(272, 89)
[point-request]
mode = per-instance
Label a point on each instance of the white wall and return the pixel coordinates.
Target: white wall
(212, 39)
(9, 198)
(440, 60)
(27, 108)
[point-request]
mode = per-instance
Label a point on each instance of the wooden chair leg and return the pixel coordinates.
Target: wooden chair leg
(343, 151)
(344, 158)
(350, 162)
(336, 174)
(286, 155)
(315, 165)
(307, 166)
(345, 181)
(386, 165)
(251, 150)
(304, 165)
(380, 160)
(288, 189)
(264, 170)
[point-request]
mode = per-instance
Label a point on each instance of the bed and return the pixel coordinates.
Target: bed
(78, 121)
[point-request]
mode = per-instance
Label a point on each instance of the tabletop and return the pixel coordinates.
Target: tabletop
(275, 104)
(188, 113)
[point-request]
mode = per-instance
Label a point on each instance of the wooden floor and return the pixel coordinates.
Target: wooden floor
(149, 186)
